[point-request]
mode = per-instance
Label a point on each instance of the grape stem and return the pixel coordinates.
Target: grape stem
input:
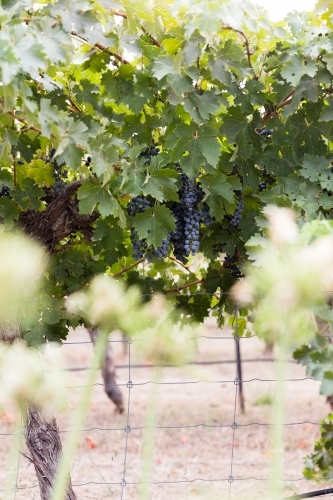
(179, 288)
(271, 113)
(22, 120)
(180, 264)
(287, 100)
(263, 63)
(75, 107)
(128, 268)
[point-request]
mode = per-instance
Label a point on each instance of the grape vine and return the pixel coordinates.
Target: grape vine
(59, 173)
(237, 215)
(188, 216)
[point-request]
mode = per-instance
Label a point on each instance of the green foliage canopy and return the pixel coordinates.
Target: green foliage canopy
(203, 80)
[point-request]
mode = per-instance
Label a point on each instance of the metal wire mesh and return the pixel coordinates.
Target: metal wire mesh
(123, 481)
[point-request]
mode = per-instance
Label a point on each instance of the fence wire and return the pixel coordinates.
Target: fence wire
(123, 481)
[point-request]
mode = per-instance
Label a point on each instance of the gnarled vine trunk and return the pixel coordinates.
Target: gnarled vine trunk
(60, 218)
(43, 440)
(109, 373)
(42, 435)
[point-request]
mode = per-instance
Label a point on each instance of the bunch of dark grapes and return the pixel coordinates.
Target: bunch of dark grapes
(218, 247)
(235, 171)
(230, 264)
(237, 215)
(192, 217)
(188, 217)
(148, 153)
(137, 205)
(88, 161)
(207, 219)
(4, 191)
(161, 252)
(139, 246)
(268, 179)
(59, 173)
(266, 133)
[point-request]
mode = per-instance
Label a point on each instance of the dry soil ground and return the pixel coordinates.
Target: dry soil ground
(190, 460)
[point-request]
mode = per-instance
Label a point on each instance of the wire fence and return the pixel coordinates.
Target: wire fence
(233, 387)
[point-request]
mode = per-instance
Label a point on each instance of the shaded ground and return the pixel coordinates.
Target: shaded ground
(190, 460)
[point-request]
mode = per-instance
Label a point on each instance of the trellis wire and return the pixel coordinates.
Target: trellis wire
(237, 381)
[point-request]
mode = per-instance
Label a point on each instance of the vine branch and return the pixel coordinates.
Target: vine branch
(128, 268)
(183, 287)
(24, 121)
(124, 16)
(99, 46)
(179, 263)
(247, 46)
(287, 100)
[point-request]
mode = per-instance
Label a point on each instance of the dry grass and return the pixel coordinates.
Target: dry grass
(185, 454)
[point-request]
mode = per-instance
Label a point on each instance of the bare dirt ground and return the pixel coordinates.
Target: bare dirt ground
(190, 460)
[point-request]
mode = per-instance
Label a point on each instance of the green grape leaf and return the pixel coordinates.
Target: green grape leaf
(217, 207)
(154, 224)
(104, 154)
(328, 58)
(327, 112)
(41, 172)
(237, 129)
(196, 141)
(217, 185)
(9, 212)
(314, 166)
(196, 307)
(233, 123)
(201, 106)
(92, 195)
(295, 68)
(161, 184)
(164, 66)
(28, 194)
(308, 138)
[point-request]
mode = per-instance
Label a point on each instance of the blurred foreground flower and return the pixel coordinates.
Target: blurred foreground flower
(291, 276)
(22, 265)
(24, 380)
(108, 305)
